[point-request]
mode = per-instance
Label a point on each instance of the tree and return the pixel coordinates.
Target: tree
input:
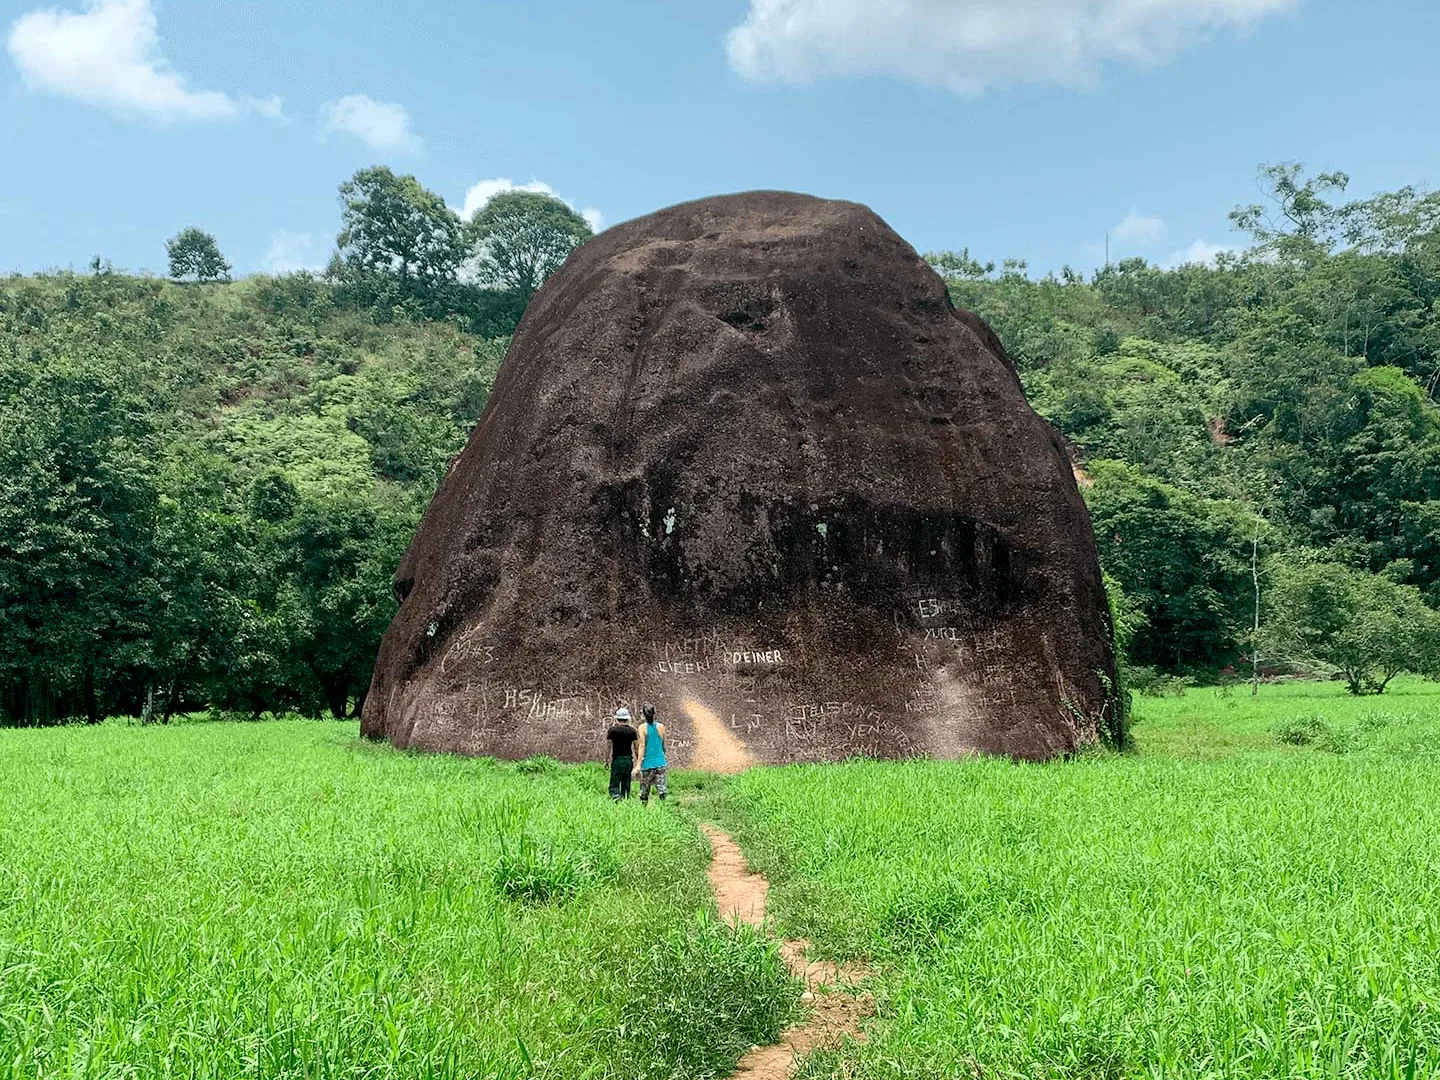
(399, 243)
(77, 507)
(519, 238)
(194, 254)
(338, 555)
(1366, 626)
(1183, 559)
(959, 264)
(1306, 225)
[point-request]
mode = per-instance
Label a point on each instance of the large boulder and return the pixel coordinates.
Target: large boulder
(746, 461)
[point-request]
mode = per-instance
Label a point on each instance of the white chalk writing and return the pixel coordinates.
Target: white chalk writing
(747, 657)
(682, 667)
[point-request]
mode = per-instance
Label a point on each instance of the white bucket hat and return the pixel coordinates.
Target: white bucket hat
(622, 713)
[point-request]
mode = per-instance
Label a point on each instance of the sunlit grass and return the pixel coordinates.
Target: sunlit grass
(1210, 722)
(278, 900)
(1265, 911)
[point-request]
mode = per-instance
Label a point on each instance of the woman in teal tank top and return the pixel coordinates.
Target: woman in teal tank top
(652, 756)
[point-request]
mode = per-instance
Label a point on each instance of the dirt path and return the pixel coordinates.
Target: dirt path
(834, 1011)
(717, 748)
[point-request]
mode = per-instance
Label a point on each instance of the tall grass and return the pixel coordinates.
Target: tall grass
(1270, 913)
(1252, 894)
(276, 900)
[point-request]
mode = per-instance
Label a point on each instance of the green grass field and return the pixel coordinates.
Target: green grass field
(279, 900)
(1219, 905)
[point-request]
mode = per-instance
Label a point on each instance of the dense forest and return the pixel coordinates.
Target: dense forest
(205, 484)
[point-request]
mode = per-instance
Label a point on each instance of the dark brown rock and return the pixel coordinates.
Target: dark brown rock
(746, 461)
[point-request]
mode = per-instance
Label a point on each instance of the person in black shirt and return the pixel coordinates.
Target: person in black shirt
(622, 736)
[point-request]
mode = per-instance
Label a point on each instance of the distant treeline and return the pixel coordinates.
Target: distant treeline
(205, 486)
(1263, 426)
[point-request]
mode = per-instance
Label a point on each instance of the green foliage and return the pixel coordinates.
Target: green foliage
(1365, 626)
(536, 869)
(1301, 730)
(399, 245)
(194, 253)
(1148, 682)
(519, 238)
(1179, 557)
(272, 900)
(1293, 383)
(203, 493)
(78, 520)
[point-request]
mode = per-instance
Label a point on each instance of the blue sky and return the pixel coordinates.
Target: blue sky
(1024, 128)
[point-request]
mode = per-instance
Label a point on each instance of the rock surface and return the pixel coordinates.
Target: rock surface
(746, 461)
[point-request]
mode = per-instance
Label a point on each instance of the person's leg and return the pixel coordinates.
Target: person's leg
(660, 782)
(618, 767)
(647, 778)
(625, 774)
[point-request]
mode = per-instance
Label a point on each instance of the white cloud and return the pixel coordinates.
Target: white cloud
(968, 45)
(272, 107)
(1201, 251)
(1138, 229)
(290, 252)
(477, 195)
(380, 125)
(109, 55)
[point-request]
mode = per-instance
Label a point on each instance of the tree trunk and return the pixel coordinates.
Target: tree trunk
(92, 704)
(337, 694)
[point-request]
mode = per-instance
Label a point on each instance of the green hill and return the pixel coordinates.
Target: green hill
(204, 488)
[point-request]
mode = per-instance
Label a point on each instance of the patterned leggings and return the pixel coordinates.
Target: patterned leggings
(652, 778)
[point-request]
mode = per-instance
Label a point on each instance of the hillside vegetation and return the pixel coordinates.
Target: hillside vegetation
(204, 487)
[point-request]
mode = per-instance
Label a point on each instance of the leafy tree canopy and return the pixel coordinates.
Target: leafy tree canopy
(194, 254)
(1369, 628)
(398, 241)
(519, 238)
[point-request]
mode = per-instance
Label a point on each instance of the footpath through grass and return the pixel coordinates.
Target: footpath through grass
(277, 900)
(1220, 905)
(1252, 894)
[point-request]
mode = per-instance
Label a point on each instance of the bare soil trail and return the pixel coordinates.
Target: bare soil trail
(835, 1010)
(717, 748)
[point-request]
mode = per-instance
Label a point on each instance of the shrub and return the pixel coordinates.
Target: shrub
(1379, 719)
(1340, 740)
(535, 871)
(1148, 682)
(544, 869)
(539, 765)
(1301, 730)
